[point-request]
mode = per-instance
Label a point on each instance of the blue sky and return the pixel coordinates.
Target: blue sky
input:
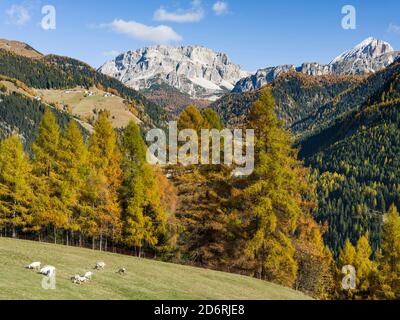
(254, 33)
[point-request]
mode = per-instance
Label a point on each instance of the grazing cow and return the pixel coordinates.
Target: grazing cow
(122, 271)
(77, 279)
(82, 279)
(100, 265)
(48, 271)
(88, 275)
(34, 266)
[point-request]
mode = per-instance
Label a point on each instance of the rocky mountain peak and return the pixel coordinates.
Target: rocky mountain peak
(369, 56)
(195, 70)
(370, 48)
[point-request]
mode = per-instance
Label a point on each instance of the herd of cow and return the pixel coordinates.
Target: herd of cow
(50, 271)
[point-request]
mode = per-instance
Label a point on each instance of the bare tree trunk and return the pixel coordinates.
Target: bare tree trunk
(14, 232)
(101, 241)
(93, 243)
(55, 235)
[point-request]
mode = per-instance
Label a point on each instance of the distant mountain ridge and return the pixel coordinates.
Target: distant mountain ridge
(197, 71)
(20, 48)
(370, 56)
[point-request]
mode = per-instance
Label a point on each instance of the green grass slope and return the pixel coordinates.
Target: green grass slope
(145, 279)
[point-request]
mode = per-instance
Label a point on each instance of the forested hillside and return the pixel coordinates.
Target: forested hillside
(367, 92)
(55, 72)
(21, 115)
(348, 133)
(86, 75)
(357, 161)
(297, 96)
(171, 99)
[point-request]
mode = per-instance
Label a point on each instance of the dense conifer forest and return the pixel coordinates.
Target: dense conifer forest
(21, 115)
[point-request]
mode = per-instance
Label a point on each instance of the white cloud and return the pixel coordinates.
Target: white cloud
(194, 14)
(18, 15)
(139, 31)
(220, 8)
(393, 28)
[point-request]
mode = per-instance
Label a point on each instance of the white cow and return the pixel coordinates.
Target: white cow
(34, 266)
(48, 271)
(77, 279)
(82, 280)
(100, 265)
(122, 271)
(88, 275)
